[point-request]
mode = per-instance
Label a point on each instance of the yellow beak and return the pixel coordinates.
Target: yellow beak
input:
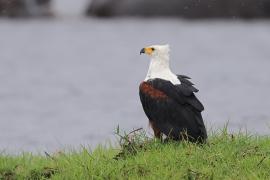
(147, 50)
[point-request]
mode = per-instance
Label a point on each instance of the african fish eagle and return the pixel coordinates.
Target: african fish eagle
(168, 100)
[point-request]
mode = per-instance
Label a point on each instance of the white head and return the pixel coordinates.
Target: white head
(157, 51)
(159, 65)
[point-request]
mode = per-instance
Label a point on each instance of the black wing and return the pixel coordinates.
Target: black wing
(187, 89)
(178, 113)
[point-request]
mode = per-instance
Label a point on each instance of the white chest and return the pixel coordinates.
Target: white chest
(159, 68)
(166, 75)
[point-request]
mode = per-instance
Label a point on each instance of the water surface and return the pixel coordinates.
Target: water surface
(67, 82)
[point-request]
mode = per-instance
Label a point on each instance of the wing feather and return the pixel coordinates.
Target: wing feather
(183, 93)
(178, 113)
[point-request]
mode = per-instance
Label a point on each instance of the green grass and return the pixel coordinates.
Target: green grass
(224, 156)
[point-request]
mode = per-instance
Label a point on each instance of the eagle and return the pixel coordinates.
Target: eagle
(168, 100)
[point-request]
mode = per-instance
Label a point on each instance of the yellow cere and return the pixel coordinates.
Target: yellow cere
(148, 50)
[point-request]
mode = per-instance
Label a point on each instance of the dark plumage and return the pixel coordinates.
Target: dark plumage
(173, 110)
(168, 100)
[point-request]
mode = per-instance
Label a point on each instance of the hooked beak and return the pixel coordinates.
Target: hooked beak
(142, 51)
(147, 50)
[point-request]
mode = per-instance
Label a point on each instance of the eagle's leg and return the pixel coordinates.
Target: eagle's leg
(157, 132)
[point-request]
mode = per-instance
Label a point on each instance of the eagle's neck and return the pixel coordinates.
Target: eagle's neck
(160, 68)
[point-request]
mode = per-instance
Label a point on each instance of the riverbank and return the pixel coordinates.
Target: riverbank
(224, 156)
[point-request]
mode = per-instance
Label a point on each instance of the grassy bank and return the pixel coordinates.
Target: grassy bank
(224, 156)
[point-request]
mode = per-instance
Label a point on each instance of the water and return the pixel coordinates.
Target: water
(67, 82)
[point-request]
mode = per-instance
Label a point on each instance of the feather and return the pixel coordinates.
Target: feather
(178, 115)
(183, 76)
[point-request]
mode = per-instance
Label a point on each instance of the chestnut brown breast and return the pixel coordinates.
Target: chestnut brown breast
(146, 88)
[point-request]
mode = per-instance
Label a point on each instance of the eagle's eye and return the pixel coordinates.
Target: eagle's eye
(153, 49)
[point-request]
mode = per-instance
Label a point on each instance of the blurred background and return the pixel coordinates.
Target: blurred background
(70, 70)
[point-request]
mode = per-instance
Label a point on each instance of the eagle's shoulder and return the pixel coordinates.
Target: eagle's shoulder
(182, 93)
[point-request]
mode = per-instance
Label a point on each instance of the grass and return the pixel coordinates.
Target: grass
(224, 156)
